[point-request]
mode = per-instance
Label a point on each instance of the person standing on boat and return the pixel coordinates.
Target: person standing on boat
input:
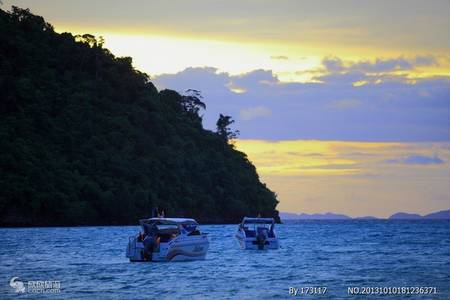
(149, 245)
(150, 239)
(155, 212)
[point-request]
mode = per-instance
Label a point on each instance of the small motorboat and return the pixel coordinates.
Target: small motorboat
(168, 239)
(257, 234)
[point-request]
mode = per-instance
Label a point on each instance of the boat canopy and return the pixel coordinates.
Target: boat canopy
(168, 221)
(248, 220)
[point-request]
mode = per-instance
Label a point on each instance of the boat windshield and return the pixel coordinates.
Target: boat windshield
(254, 228)
(168, 221)
(190, 229)
(247, 220)
(167, 227)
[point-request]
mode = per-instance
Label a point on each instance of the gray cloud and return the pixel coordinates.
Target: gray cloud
(417, 160)
(387, 108)
(383, 65)
(333, 64)
(380, 65)
(279, 57)
(253, 78)
(425, 61)
(313, 154)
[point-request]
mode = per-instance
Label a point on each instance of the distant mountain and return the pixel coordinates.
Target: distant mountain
(326, 216)
(440, 215)
(288, 216)
(404, 216)
(367, 218)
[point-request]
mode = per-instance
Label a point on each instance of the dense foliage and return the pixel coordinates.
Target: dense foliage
(87, 139)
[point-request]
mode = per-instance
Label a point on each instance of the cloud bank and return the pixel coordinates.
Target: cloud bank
(364, 100)
(417, 160)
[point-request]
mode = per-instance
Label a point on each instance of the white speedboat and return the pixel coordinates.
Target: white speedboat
(257, 234)
(168, 239)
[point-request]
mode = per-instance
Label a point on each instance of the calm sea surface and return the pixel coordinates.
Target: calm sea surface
(90, 262)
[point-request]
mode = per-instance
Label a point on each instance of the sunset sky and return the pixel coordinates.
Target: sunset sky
(343, 106)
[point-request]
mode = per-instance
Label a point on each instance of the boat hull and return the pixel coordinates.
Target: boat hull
(247, 243)
(183, 248)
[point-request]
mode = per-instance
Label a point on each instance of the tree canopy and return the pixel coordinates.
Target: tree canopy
(87, 139)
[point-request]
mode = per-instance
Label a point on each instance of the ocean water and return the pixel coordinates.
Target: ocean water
(90, 263)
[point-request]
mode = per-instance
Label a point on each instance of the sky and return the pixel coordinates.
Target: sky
(343, 106)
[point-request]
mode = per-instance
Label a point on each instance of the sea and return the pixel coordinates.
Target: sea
(354, 259)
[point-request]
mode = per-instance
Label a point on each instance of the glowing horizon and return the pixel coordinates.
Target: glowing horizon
(313, 176)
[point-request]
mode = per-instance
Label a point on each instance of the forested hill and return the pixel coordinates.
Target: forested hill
(87, 139)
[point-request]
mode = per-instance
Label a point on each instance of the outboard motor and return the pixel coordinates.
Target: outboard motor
(149, 244)
(261, 240)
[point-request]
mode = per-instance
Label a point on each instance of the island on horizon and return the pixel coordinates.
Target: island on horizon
(439, 215)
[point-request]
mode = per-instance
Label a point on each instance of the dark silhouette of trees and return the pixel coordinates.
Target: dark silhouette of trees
(224, 130)
(191, 101)
(192, 104)
(87, 139)
(90, 39)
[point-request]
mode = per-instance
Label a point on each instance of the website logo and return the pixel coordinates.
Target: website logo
(35, 286)
(17, 285)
